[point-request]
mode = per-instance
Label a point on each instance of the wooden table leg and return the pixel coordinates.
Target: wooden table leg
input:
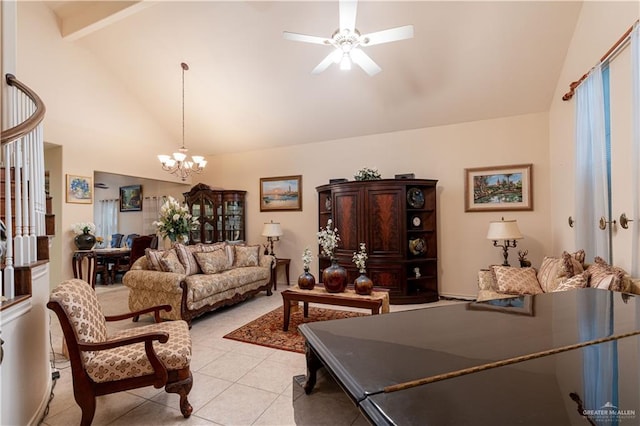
(287, 313)
(305, 309)
(313, 365)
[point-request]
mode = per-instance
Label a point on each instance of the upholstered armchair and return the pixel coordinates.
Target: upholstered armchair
(152, 355)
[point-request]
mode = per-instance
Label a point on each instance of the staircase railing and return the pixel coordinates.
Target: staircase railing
(23, 192)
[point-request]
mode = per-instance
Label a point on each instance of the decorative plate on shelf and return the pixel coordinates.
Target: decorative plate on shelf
(417, 246)
(415, 198)
(416, 221)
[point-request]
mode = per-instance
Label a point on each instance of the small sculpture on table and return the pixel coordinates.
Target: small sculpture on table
(524, 263)
(416, 271)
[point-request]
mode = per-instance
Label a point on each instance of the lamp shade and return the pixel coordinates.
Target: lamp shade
(271, 230)
(504, 230)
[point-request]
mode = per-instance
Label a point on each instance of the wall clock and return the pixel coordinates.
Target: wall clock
(416, 221)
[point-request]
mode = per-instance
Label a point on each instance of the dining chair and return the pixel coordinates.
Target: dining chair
(116, 240)
(155, 355)
(138, 246)
(129, 239)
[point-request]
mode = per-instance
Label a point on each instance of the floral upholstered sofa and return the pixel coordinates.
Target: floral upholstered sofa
(195, 279)
(555, 274)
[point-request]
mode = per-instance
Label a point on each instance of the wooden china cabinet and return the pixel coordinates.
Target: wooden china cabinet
(221, 214)
(396, 219)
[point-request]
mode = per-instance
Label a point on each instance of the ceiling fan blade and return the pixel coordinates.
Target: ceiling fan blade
(348, 14)
(331, 58)
(304, 38)
(386, 36)
(364, 61)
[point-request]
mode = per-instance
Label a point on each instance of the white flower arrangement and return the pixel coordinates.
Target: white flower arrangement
(367, 173)
(328, 239)
(80, 228)
(360, 258)
(175, 220)
(306, 258)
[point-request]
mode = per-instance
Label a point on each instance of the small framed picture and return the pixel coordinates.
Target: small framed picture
(79, 189)
(500, 188)
(281, 193)
(131, 198)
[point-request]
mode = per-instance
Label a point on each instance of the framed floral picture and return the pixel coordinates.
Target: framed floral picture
(499, 188)
(281, 193)
(79, 189)
(131, 198)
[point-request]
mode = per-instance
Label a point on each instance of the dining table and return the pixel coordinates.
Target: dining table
(89, 260)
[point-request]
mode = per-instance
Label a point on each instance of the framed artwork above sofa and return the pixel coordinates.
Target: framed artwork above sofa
(498, 188)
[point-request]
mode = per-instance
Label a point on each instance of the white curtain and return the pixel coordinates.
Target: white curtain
(591, 167)
(107, 223)
(150, 213)
(635, 163)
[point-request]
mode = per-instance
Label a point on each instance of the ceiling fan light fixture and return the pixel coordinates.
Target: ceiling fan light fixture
(345, 63)
(347, 39)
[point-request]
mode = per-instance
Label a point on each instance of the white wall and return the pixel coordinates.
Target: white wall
(89, 113)
(599, 26)
(440, 153)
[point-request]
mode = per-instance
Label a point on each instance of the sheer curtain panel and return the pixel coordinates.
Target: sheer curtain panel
(107, 223)
(591, 167)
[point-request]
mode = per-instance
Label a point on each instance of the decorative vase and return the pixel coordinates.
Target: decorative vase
(334, 277)
(178, 238)
(363, 284)
(306, 281)
(84, 241)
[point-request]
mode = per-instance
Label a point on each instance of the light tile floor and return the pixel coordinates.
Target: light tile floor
(234, 383)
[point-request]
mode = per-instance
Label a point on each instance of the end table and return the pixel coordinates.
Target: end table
(274, 271)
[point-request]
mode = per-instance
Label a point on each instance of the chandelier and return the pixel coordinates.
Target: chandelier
(178, 164)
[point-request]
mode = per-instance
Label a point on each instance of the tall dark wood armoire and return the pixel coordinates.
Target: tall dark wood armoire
(396, 219)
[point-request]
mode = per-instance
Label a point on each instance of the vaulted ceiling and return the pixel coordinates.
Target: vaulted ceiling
(248, 88)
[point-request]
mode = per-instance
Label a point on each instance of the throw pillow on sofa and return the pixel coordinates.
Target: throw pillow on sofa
(516, 280)
(605, 276)
(212, 262)
(554, 271)
(185, 254)
(577, 281)
(153, 257)
(170, 262)
(246, 256)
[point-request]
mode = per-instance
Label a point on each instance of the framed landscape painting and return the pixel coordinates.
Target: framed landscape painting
(79, 189)
(131, 198)
(500, 188)
(281, 193)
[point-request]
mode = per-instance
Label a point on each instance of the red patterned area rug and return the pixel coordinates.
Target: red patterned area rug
(267, 330)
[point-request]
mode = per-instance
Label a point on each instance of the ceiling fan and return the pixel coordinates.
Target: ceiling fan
(348, 41)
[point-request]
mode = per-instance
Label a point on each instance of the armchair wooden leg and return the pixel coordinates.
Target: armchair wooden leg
(88, 407)
(182, 388)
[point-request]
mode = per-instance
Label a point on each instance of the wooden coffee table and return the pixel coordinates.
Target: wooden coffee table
(377, 301)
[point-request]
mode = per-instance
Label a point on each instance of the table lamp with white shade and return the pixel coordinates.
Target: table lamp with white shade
(506, 231)
(273, 232)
